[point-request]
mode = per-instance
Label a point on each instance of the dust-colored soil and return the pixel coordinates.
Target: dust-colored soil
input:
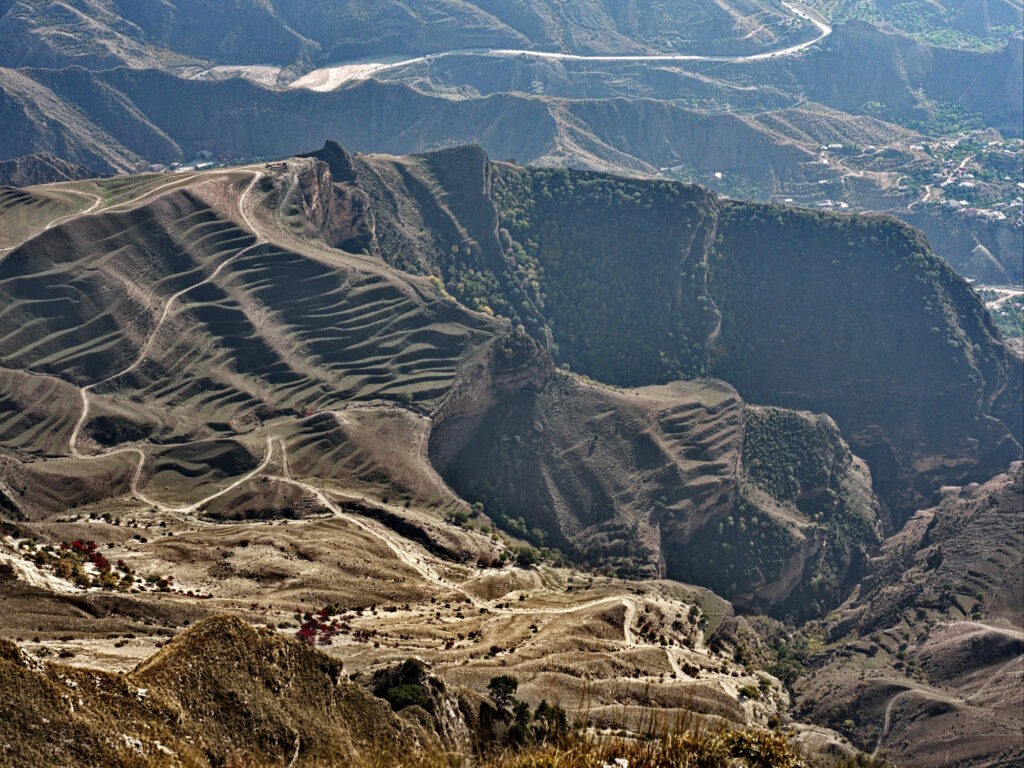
(241, 418)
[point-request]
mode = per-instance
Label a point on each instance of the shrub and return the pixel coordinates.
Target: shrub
(407, 695)
(527, 557)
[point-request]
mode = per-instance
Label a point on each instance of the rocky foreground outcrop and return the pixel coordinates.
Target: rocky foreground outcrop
(221, 693)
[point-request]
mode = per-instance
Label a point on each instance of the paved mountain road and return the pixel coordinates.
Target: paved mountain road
(331, 78)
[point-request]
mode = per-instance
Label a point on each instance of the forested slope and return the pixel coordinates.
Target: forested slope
(637, 282)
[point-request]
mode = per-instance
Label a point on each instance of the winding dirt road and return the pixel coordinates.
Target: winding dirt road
(97, 201)
(407, 552)
(143, 353)
(887, 722)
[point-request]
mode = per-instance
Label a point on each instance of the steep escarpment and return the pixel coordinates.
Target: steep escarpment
(662, 481)
(635, 282)
(621, 269)
(799, 470)
(429, 214)
(857, 318)
(793, 308)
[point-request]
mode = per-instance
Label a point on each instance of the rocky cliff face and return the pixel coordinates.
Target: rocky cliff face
(340, 213)
(511, 366)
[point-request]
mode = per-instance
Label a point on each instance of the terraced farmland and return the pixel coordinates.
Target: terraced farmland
(26, 212)
(182, 326)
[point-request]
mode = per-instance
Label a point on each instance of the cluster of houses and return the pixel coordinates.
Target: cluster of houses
(961, 179)
(204, 160)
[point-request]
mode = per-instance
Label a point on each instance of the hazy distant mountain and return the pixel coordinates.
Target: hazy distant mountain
(104, 33)
(751, 129)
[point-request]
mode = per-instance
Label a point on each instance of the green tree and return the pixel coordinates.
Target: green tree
(527, 556)
(502, 689)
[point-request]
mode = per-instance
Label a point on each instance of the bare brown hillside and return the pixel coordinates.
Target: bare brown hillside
(220, 693)
(928, 660)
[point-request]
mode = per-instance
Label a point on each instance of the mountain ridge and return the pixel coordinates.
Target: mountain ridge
(330, 394)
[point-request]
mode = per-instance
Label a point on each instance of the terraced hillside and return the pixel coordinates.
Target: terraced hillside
(181, 342)
(227, 391)
(203, 346)
(927, 666)
(650, 482)
(233, 416)
(26, 213)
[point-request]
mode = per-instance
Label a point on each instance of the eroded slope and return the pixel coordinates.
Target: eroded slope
(926, 665)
